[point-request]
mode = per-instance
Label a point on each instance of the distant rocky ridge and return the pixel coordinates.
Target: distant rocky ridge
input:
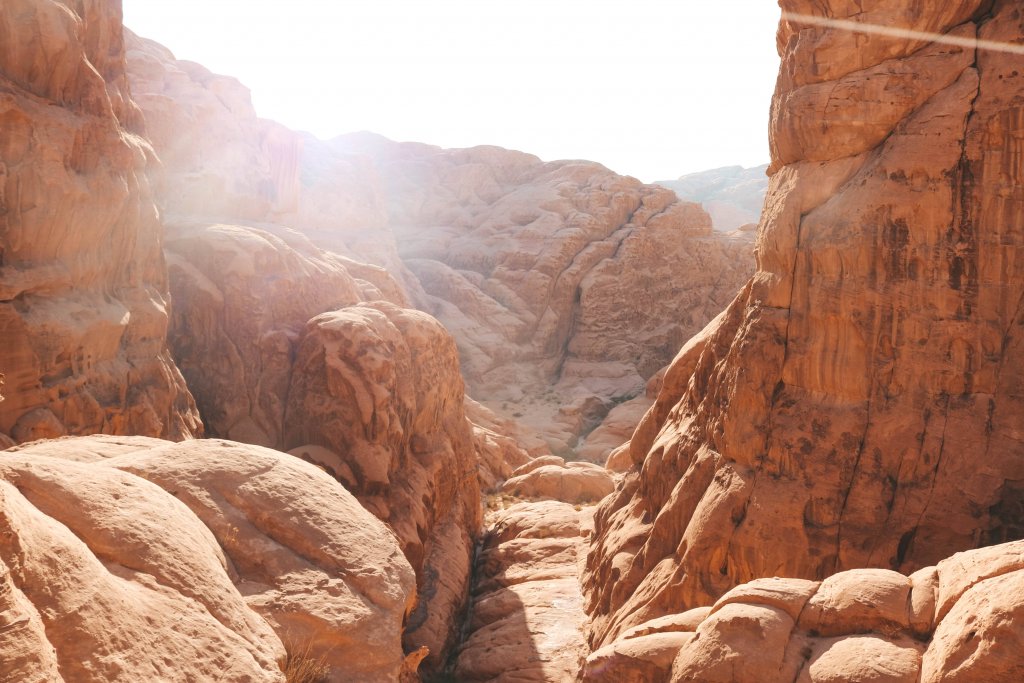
(733, 195)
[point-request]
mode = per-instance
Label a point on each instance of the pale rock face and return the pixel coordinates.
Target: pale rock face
(573, 482)
(857, 625)
(499, 445)
(243, 297)
(83, 288)
(222, 164)
(859, 398)
(129, 559)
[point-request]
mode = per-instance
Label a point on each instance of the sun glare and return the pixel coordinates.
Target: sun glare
(652, 89)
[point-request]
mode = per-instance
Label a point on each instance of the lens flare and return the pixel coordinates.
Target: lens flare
(904, 33)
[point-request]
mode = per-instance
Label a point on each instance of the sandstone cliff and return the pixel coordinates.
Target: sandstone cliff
(858, 399)
(83, 286)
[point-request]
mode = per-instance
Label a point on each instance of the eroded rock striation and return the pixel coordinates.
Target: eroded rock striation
(858, 399)
(83, 286)
(128, 559)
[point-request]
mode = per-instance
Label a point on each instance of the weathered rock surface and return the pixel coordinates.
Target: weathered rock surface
(732, 195)
(376, 392)
(370, 392)
(860, 398)
(958, 621)
(499, 445)
(220, 163)
(527, 616)
(129, 559)
(528, 263)
(244, 295)
(83, 288)
(275, 337)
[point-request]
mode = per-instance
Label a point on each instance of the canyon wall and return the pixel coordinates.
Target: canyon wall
(528, 264)
(524, 262)
(83, 284)
(856, 405)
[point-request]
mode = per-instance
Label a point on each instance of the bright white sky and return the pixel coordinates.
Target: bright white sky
(650, 88)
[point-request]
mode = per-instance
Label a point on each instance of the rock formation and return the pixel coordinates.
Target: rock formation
(376, 398)
(130, 559)
(858, 399)
(957, 621)
(528, 263)
(276, 339)
(551, 478)
(732, 195)
(83, 286)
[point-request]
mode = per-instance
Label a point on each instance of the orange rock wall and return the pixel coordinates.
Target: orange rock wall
(856, 405)
(83, 286)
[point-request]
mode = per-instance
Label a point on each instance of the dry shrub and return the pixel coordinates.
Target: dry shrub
(302, 666)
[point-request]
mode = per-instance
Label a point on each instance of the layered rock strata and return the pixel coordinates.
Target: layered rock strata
(83, 286)
(859, 397)
(129, 559)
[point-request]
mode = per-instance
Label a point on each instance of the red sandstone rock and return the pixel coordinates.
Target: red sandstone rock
(857, 399)
(379, 386)
(83, 287)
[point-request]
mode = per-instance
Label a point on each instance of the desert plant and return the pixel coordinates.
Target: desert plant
(301, 665)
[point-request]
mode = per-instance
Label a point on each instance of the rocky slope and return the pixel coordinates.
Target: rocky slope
(732, 195)
(83, 286)
(525, 262)
(859, 397)
(528, 263)
(129, 559)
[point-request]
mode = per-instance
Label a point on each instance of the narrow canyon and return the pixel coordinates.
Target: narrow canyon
(283, 409)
